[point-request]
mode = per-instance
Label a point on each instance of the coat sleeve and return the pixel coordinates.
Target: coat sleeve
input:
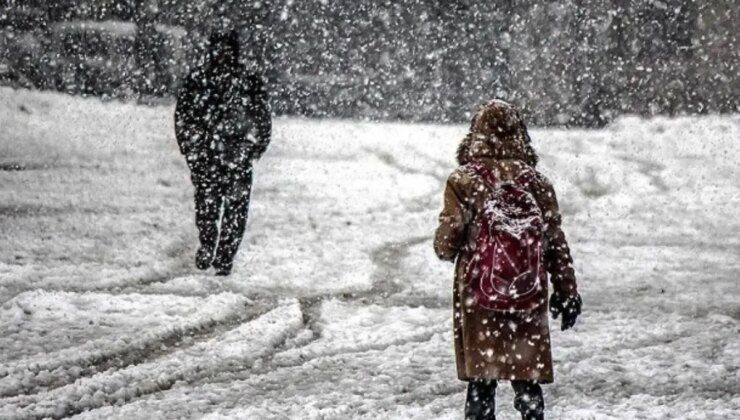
(558, 261)
(261, 113)
(450, 235)
(187, 130)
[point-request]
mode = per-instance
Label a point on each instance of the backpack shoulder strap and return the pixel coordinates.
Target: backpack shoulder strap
(482, 171)
(525, 177)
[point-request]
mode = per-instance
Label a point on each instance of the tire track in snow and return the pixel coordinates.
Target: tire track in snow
(416, 204)
(54, 370)
(648, 168)
(300, 357)
(238, 390)
(289, 357)
(177, 265)
(390, 160)
(237, 349)
(387, 259)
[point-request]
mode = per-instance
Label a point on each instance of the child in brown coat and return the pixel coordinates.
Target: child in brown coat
(503, 344)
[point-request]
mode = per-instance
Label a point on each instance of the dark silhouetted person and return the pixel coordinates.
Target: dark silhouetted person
(222, 124)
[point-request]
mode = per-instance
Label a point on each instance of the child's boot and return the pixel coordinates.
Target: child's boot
(529, 400)
(481, 400)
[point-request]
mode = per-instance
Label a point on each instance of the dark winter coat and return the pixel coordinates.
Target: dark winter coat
(488, 344)
(222, 117)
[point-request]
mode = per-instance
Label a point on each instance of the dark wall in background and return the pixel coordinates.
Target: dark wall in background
(567, 62)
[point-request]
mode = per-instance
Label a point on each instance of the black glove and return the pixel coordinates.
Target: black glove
(570, 308)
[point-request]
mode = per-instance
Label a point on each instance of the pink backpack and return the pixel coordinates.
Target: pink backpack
(505, 270)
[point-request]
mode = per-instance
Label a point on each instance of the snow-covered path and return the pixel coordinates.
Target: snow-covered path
(337, 307)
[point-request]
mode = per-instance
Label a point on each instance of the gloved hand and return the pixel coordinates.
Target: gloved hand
(570, 308)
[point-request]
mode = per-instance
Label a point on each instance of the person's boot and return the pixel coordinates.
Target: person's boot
(529, 400)
(223, 268)
(203, 258)
(481, 400)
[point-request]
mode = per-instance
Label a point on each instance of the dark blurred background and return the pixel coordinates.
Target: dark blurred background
(578, 62)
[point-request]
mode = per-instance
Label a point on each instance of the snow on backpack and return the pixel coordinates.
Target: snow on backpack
(505, 270)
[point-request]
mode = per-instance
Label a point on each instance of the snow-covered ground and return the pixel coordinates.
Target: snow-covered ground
(337, 307)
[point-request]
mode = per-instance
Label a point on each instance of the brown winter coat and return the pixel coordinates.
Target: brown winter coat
(488, 344)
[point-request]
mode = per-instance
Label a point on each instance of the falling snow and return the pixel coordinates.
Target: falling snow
(332, 309)
(336, 306)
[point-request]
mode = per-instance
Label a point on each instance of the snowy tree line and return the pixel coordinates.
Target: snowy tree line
(566, 62)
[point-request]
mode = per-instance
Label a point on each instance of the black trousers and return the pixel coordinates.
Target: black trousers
(220, 187)
(481, 400)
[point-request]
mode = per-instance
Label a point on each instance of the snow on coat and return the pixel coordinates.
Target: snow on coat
(490, 344)
(223, 115)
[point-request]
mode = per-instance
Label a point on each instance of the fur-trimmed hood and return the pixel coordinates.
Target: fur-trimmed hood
(497, 131)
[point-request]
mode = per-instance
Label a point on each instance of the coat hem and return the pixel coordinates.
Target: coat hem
(542, 381)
